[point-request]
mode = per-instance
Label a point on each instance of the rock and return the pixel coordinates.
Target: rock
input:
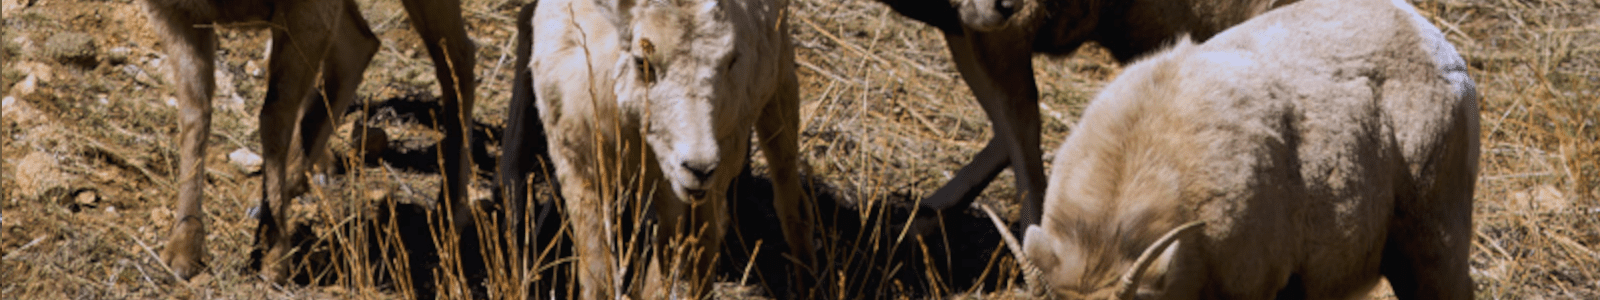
(71, 48)
(248, 162)
(251, 68)
(119, 55)
(24, 44)
(19, 111)
(26, 86)
(37, 174)
(86, 197)
(11, 5)
(43, 71)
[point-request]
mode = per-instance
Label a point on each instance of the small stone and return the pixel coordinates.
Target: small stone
(10, 5)
(37, 174)
(44, 72)
(251, 68)
(26, 86)
(71, 47)
(248, 162)
(119, 55)
(87, 197)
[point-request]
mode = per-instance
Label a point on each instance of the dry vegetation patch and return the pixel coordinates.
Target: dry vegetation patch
(88, 141)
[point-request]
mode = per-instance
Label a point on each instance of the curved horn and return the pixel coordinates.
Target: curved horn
(1030, 272)
(1130, 280)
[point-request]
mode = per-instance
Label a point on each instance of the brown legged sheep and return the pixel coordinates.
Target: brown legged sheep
(293, 129)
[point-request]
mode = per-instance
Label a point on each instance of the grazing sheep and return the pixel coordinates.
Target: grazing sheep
(294, 130)
(992, 43)
(659, 97)
(1305, 153)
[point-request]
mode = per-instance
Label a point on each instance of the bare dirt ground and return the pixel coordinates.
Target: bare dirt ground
(87, 145)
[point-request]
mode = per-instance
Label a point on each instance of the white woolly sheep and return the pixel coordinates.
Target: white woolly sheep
(659, 96)
(1299, 155)
(992, 43)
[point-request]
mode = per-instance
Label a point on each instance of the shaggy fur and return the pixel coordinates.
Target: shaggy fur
(295, 130)
(992, 43)
(659, 97)
(1323, 145)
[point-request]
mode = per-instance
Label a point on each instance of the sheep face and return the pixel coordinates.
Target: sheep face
(682, 80)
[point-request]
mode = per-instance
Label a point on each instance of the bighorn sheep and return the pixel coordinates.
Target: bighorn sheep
(1306, 152)
(992, 42)
(307, 35)
(659, 97)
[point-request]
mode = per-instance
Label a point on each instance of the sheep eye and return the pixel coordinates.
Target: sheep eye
(732, 61)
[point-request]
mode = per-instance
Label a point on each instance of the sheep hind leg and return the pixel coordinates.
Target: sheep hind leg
(445, 35)
(192, 50)
(1428, 258)
(1427, 254)
(341, 75)
(523, 148)
(302, 40)
(1001, 77)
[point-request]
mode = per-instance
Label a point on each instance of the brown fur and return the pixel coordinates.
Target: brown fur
(993, 51)
(304, 35)
(1323, 145)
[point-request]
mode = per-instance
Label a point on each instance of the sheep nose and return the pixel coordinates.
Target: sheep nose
(701, 171)
(1006, 8)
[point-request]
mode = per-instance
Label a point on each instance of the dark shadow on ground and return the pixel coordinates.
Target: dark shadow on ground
(860, 257)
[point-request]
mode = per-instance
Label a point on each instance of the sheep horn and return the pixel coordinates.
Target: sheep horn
(1030, 272)
(1130, 280)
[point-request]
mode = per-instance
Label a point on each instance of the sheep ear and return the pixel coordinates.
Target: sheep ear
(1040, 247)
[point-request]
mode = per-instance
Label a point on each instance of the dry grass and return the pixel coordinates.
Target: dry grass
(89, 150)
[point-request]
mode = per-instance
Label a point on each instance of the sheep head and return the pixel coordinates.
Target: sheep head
(683, 80)
(1072, 271)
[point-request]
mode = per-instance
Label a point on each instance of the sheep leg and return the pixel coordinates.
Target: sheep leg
(586, 211)
(998, 68)
(779, 131)
(445, 35)
(523, 145)
(1427, 253)
(302, 38)
(191, 53)
(341, 74)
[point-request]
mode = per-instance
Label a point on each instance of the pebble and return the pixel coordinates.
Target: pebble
(248, 162)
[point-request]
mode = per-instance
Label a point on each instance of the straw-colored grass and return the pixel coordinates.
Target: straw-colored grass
(86, 180)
